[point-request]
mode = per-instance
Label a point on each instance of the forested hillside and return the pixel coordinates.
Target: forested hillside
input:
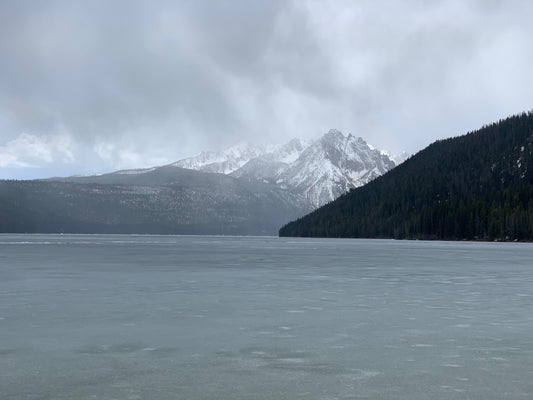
(477, 187)
(168, 201)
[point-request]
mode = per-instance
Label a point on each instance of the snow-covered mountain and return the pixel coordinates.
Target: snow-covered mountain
(318, 171)
(333, 165)
(230, 160)
(397, 158)
(222, 162)
(255, 190)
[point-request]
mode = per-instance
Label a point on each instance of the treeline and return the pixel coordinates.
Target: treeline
(475, 187)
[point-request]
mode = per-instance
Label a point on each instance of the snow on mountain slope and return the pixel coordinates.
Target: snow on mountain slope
(318, 171)
(333, 165)
(286, 153)
(223, 162)
(397, 158)
(233, 158)
(135, 171)
(273, 162)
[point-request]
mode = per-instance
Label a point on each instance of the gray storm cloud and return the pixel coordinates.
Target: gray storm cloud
(100, 85)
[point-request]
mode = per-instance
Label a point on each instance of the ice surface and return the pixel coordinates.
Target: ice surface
(167, 317)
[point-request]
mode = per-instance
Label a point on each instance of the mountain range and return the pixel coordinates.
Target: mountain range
(318, 171)
(242, 190)
(478, 186)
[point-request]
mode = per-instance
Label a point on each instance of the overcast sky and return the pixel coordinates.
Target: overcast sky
(95, 86)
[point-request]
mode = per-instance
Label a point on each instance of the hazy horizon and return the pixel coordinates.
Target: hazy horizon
(41, 173)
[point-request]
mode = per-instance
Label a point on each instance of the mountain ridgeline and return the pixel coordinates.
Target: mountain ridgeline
(318, 171)
(244, 190)
(474, 187)
(165, 200)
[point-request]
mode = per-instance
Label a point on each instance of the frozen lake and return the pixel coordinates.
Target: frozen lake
(169, 317)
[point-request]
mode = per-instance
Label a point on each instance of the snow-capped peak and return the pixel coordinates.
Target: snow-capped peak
(224, 162)
(319, 171)
(332, 165)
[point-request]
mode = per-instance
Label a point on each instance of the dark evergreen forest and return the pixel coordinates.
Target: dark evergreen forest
(474, 187)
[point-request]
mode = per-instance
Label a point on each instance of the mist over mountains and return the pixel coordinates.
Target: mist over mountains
(245, 189)
(318, 171)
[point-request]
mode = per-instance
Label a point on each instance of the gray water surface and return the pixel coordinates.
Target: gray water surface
(198, 317)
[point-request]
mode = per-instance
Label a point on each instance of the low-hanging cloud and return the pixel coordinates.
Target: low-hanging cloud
(135, 83)
(31, 151)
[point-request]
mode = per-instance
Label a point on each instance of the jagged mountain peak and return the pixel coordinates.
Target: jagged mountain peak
(333, 134)
(332, 165)
(337, 138)
(286, 153)
(225, 161)
(319, 171)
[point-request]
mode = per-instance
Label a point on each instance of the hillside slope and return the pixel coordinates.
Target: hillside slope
(477, 187)
(168, 200)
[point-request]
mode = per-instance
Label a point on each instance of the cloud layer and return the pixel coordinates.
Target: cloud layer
(94, 86)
